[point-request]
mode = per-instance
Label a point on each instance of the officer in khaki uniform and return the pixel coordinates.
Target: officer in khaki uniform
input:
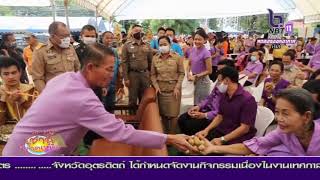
(167, 73)
(56, 57)
(137, 58)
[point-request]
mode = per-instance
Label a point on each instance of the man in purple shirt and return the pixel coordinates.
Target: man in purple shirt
(200, 116)
(58, 119)
(237, 112)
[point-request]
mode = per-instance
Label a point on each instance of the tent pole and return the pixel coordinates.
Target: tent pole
(66, 2)
(53, 9)
(96, 14)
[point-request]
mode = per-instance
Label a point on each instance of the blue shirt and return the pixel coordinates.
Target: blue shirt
(115, 69)
(175, 47)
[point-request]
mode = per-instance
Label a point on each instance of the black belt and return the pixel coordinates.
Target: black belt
(139, 71)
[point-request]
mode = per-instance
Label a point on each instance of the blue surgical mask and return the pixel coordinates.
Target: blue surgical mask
(253, 58)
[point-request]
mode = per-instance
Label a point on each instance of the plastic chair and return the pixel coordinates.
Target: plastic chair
(263, 119)
(256, 92)
(242, 79)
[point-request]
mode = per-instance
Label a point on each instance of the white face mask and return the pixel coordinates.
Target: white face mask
(223, 88)
(65, 42)
(89, 40)
(164, 49)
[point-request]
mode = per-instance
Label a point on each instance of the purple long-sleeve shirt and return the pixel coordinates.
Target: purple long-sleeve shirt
(210, 105)
(287, 141)
(310, 48)
(68, 108)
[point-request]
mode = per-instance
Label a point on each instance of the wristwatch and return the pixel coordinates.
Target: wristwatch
(223, 140)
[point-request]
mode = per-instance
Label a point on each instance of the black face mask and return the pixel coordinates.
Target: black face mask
(137, 35)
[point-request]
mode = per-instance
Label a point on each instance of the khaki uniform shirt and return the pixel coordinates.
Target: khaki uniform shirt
(49, 63)
(136, 56)
(291, 76)
(167, 74)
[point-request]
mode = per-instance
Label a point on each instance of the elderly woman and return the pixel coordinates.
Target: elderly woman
(167, 73)
(273, 85)
(297, 131)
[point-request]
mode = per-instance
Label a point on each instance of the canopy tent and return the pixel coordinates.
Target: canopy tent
(180, 9)
(200, 9)
(25, 3)
(41, 24)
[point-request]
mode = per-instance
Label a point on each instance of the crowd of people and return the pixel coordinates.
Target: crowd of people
(74, 87)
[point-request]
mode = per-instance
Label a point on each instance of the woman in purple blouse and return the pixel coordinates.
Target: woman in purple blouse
(273, 85)
(296, 129)
(200, 67)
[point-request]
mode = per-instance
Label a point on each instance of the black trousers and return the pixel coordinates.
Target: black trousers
(191, 126)
(213, 76)
(91, 136)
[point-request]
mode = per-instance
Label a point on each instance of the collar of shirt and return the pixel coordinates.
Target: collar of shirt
(82, 79)
(138, 42)
(49, 44)
(170, 55)
(238, 92)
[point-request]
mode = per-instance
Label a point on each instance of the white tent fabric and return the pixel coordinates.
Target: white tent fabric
(181, 9)
(41, 24)
(25, 3)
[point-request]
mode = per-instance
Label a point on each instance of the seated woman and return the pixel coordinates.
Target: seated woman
(15, 97)
(241, 59)
(273, 84)
(167, 73)
(254, 68)
(296, 131)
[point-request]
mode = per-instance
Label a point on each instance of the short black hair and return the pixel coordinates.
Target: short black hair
(106, 32)
(227, 62)
(136, 25)
(171, 29)
(202, 33)
(300, 98)
(277, 62)
(229, 72)
(164, 37)
(313, 86)
(53, 27)
(88, 27)
(5, 37)
(95, 53)
(290, 54)
(6, 62)
(161, 29)
(313, 39)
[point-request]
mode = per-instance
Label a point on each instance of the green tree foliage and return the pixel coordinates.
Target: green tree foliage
(181, 26)
(6, 11)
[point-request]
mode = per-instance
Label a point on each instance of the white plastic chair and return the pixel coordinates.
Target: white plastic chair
(242, 79)
(263, 119)
(256, 92)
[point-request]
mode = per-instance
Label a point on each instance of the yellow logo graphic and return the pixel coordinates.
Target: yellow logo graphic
(40, 145)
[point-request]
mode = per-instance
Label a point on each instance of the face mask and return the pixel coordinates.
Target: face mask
(164, 49)
(65, 43)
(287, 67)
(223, 88)
(253, 58)
(89, 40)
(137, 35)
(171, 38)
